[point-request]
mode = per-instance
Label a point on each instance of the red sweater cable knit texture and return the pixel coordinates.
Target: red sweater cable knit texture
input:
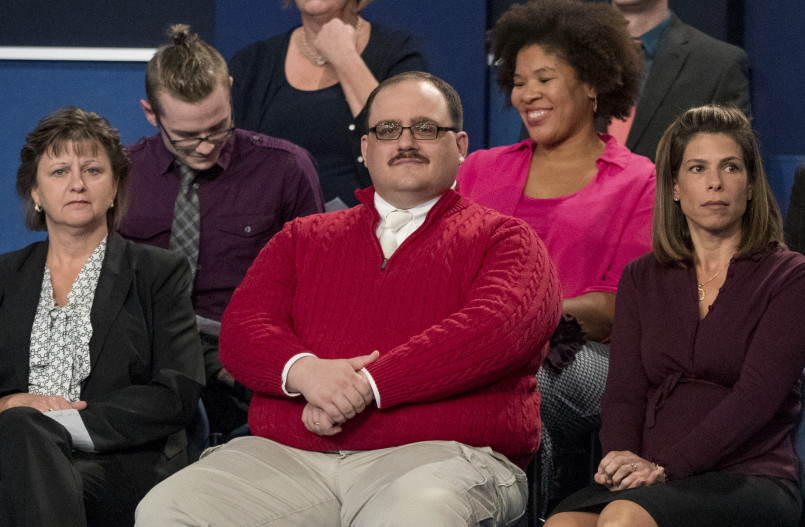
(461, 314)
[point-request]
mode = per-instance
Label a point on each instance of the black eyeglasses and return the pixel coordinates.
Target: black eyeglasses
(425, 131)
(215, 138)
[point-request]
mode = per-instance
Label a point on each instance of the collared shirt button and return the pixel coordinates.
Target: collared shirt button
(351, 127)
(360, 159)
(247, 229)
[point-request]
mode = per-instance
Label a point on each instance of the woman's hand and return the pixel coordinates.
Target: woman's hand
(43, 403)
(341, 46)
(625, 470)
(336, 40)
(317, 421)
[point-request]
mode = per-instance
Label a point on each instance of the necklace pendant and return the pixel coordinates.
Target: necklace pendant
(701, 292)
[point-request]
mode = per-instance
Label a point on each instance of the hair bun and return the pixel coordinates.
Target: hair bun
(179, 34)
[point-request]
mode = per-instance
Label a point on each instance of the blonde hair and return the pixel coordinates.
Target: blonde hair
(187, 68)
(762, 226)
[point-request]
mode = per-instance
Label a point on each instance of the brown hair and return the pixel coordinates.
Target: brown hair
(286, 4)
(762, 226)
(592, 37)
(79, 129)
(450, 94)
(187, 68)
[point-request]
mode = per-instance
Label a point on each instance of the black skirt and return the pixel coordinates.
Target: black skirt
(706, 500)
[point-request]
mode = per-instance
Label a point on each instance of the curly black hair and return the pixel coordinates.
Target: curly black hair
(591, 37)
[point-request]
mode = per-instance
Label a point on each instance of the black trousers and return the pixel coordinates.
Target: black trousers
(44, 483)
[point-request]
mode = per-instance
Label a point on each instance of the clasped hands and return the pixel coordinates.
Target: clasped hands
(335, 389)
(621, 470)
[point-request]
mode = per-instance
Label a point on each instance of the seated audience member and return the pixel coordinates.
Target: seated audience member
(703, 396)
(100, 365)
(564, 63)
(391, 348)
(684, 68)
(309, 85)
(212, 192)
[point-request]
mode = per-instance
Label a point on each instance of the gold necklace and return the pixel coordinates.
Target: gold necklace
(313, 55)
(700, 286)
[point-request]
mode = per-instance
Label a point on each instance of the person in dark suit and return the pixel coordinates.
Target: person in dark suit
(95, 329)
(795, 217)
(684, 68)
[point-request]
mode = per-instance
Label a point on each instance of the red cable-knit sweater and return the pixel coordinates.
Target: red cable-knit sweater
(461, 314)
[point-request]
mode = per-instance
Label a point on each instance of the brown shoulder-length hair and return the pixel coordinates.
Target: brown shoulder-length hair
(762, 226)
(66, 128)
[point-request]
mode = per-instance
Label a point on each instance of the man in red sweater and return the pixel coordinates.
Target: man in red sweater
(392, 349)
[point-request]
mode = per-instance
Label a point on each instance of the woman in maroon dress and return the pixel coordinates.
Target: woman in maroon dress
(702, 401)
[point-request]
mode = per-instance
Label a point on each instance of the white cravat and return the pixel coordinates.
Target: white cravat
(395, 220)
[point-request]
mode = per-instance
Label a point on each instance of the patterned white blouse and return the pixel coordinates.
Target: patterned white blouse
(59, 358)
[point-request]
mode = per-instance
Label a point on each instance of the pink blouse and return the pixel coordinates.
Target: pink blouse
(591, 234)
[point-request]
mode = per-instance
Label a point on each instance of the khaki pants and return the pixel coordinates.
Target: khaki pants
(252, 481)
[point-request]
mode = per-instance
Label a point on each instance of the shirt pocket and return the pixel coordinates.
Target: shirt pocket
(146, 230)
(237, 241)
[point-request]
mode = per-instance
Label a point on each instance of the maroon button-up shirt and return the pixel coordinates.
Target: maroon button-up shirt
(258, 184)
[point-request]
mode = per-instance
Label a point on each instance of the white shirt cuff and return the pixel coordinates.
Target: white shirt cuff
(373, 385)
(287, 368)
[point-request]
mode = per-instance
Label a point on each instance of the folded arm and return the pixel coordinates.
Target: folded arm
(257, 336)
(595, 312)
(510, 311)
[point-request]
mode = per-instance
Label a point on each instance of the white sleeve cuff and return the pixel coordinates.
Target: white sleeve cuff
(373, 385)
(287, 368)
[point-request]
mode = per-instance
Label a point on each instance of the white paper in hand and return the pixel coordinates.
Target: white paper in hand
(70, 420)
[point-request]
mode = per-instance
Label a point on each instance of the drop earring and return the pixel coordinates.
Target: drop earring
(37, 208)
(595, 104)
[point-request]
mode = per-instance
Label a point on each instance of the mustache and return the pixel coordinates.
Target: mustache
(408, 155)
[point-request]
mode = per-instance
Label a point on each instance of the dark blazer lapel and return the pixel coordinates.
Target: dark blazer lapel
(114, 284)
(668, 63)
(21, 296)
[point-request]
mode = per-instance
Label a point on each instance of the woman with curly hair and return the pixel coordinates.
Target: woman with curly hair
(703, 399)
(566, 64)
